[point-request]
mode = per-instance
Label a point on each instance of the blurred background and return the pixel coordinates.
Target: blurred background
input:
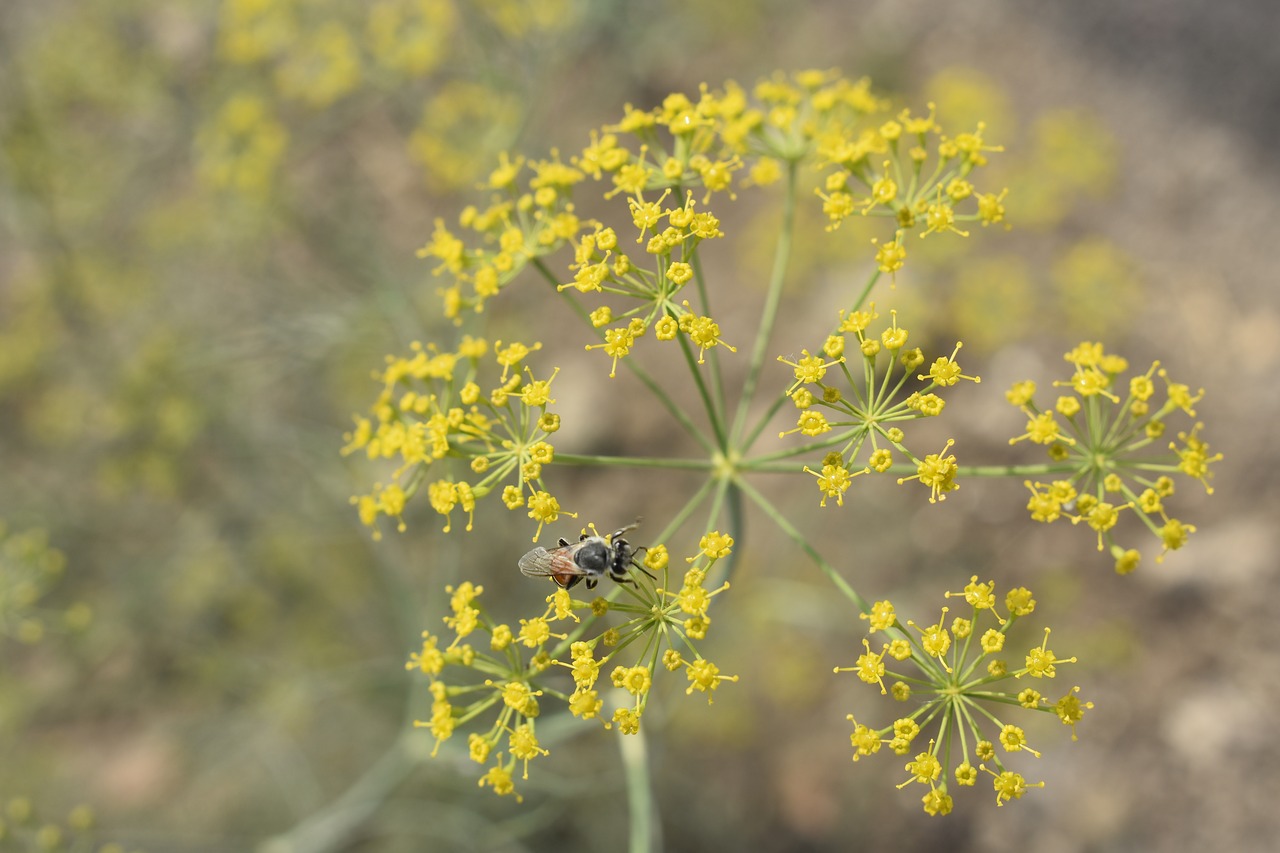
(208, 218)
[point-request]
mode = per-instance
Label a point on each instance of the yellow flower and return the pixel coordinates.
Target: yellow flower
(499, 778)
(1010, 786)
(1041, 661)
(809, 369)
(635, 680)
(680, 272)
(946, 372)
(716, 545)
(881, 617)
(524, 746)
(705, 676)
(429, 660)
(938, 472)
(1174, 535)
(705, 332)
(891, 256)
(585, 704)
(656, 558)
(544, 509)
(811, 422)
(991, 207)
(617, 344)
(833, 482)
(628, 720)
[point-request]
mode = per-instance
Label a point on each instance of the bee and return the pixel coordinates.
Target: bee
(590, 558)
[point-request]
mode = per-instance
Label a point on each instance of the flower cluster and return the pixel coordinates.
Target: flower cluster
(1112, 450)
(667, 164)
(907, 170)
(524, 220)
(326, 54)
(432, 409)
(241, 148)
(961, 677)
(664, 624)
(654, 283)
(674, 167)
(24, 826)
(869, 413)
(520, 668)
(29, 568)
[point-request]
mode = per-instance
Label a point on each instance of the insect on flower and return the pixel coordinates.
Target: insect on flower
(590, 558)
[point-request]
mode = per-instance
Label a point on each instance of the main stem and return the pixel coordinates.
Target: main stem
(635, 764)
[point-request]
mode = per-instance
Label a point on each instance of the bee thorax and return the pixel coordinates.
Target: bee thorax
(594, 556)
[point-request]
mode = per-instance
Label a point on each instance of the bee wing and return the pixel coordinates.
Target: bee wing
(556, 563)
(632, 526)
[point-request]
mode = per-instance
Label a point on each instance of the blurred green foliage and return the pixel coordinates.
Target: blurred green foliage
(206, 242)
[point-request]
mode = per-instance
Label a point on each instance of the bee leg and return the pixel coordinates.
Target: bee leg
(623, 577)
(591, 582)
(564, 543)
(640, 567)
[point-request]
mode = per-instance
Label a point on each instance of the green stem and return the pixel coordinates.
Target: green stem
(737, 529)
(338, 824)
(772, 467)
(709, 402)
(639, 372)
(1011, 470)
(866, 291)
(717, 379)
(778, 403)
(796, 536)
(717, 501)
(633, 461)
(781, 257)
(755, 462)
(727, 499)
(640, 802)
(687, 510)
